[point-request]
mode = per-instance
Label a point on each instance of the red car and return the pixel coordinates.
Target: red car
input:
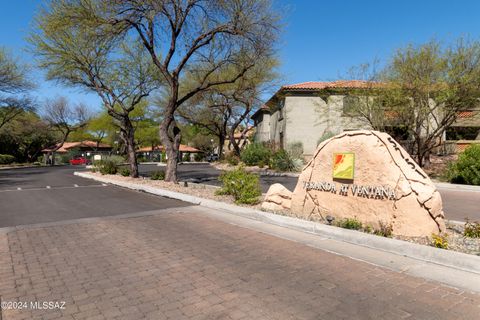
(78, 160)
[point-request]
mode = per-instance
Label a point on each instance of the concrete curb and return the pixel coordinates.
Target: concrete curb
(457, 260)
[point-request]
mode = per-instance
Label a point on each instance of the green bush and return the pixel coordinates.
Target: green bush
(284, 161)
(142, 158)
(256, 153)
(295, 149)
(466, 170)
(349, 223)
(385, 230)
(472, 229)
(6, 159)
(107, 167)
(158, 175)
(186, 157)
(109, 164)
(232, 158)
(62, 158)
(125, 172)
(243, 186)
(118, 160)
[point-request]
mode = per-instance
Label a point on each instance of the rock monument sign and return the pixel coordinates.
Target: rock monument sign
(369, 176)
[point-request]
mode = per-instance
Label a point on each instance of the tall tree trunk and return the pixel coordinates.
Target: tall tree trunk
(170, 135)
(128, 135)
(236, 147)
(221, 143)
(420, 152)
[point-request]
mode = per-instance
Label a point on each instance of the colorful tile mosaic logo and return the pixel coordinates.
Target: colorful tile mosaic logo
(343, 165)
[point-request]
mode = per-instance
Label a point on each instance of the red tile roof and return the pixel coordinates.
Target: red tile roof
(340, 84)
(465, 114)
(77, 144)
(183, 148)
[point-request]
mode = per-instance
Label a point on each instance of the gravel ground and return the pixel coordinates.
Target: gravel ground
(455, 238)
(194, 189)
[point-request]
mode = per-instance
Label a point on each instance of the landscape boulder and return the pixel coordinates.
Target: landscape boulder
(367, 175)
(278, 198)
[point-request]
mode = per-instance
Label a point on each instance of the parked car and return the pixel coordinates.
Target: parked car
(78, 160)
(212, 157)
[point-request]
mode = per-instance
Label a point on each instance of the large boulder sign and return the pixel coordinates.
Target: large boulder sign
(367, 175)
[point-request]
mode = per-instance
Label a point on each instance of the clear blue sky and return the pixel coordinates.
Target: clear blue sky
(321, 39)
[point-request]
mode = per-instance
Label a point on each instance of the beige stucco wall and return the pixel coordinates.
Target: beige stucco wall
(277, 127)
(262, 130)
(308, 118)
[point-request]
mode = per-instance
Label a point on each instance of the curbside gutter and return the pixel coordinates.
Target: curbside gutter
(452, 259)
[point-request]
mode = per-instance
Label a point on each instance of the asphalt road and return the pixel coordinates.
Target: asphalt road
(38, 195)
(205, 173)
(457, 204)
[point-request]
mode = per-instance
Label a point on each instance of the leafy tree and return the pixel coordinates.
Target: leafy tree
(99, 127)
(422, 90)
(25, 136)
(13, 85)
(195, 38)
(64, 118)
(225, 110)
(198, 137)
(75, 53)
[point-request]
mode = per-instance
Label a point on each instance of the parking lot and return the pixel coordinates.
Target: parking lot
(48, 194)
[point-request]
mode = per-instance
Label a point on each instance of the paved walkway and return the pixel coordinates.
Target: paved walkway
(182, 265)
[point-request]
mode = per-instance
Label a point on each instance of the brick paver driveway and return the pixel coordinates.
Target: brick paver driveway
(183, 265)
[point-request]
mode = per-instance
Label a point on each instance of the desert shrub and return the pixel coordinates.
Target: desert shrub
(385, 230)
(440, 241)
(283, 161)
(109, 164)
(472, 229)
(198, 156)
(231, 158)
(255, 153)
(349, 223)
(158, 175)
(6, 159)
(466, 170)
(125, 172)
(118, 160)
(62, 158)
(186, 157)
(295, 149)
(107, 167)
(141, 158)
(243, 186)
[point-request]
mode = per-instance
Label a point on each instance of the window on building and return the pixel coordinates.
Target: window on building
(462, 133)
(281, 111)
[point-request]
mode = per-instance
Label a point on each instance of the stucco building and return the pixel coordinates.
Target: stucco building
(309, 111)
